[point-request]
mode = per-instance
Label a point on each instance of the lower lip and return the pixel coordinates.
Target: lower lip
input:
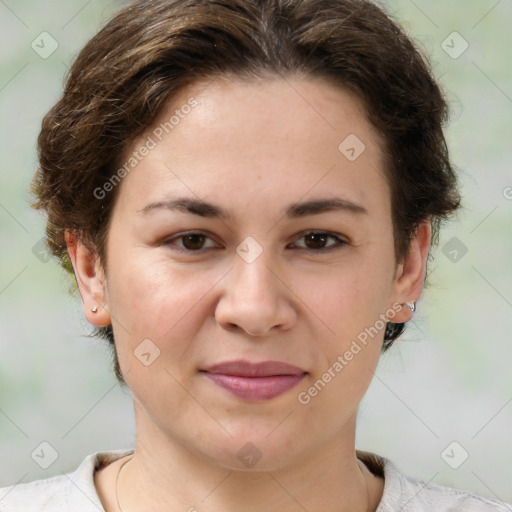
(256, 388)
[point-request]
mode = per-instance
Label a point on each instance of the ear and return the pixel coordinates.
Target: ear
(90, 279)
(410, 273)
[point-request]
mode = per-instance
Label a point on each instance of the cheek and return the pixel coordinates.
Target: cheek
(350, 296)
(348, 339)
(349, 302)
(150, 299)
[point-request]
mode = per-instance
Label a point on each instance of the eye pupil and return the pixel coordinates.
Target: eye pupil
(320, 237)
(313, 241)
(194, 238)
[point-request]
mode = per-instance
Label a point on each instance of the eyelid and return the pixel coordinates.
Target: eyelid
(167, 241)
(327, 234)
(340, 241)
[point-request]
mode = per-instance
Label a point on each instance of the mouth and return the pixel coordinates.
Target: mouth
(255, 382)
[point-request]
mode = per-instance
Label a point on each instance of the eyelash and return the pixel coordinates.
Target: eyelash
(337, 246)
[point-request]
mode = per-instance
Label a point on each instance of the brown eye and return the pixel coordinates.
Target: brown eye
(189, 242)
(193, 242)
(316, 241)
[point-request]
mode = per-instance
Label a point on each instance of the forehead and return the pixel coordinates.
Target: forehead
(277, 108)
(261, 139)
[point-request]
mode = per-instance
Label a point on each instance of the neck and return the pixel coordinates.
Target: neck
(158, 477)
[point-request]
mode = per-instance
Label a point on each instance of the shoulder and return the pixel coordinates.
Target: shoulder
(410, 494)
(69, 492)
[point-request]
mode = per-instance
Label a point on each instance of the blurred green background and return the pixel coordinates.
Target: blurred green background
(447, 379)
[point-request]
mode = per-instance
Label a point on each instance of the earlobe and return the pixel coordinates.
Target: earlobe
(90, 279)
(410, 277)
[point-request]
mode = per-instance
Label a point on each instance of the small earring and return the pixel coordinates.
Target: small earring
(94, 309)
(411, 306)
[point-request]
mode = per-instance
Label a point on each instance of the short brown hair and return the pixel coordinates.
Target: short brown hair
(153, 48)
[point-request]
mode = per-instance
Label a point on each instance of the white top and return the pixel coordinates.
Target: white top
(75, 492)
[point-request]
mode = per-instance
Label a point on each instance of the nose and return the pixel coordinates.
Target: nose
(256, 298)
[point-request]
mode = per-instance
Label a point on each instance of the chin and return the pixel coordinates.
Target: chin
(256, 450)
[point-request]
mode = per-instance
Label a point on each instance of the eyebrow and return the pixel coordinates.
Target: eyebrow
(295, 210)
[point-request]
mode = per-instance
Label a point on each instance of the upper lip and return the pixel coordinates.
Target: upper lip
(241, 368)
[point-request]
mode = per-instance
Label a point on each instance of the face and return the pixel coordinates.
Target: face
(256, 226)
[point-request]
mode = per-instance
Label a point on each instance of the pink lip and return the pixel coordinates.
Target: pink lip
(255, 381)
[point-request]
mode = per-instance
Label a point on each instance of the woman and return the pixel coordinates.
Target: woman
(247, 194)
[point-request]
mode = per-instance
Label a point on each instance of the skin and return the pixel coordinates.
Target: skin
(288, 305)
